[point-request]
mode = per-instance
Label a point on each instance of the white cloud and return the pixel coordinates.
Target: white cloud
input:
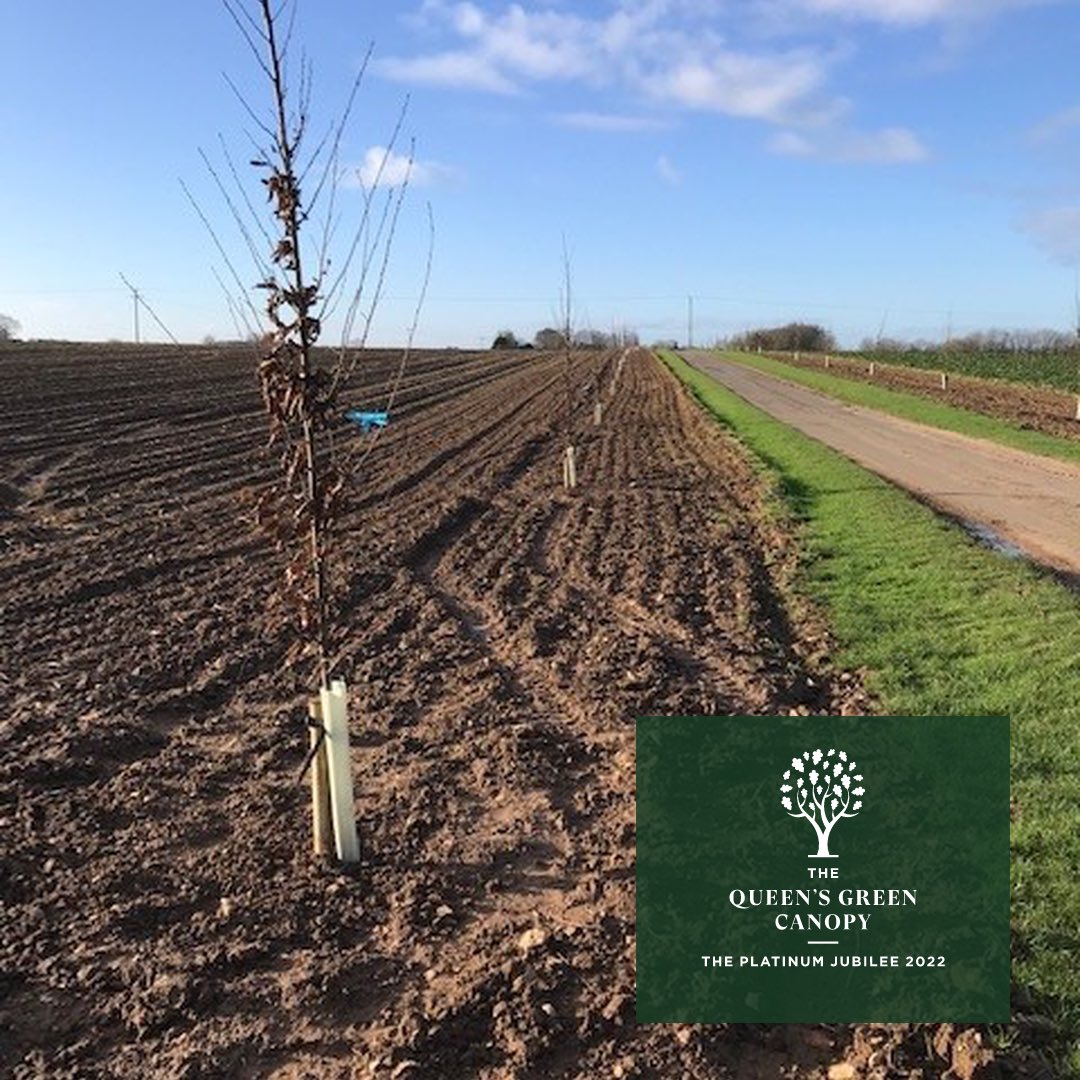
(889, 146)
(384, 168)
(894, 11)
(666, 50)
(1056, 230)
(591, 121)
(781, 88)
(667, 56)
(1053, 127)
(502, 50)
(912, 12)
(792, 144)
(667, 171)
(463, 70)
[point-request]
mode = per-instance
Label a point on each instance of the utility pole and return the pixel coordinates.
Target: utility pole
(134, 305)
(881, 327)
(690, 322)
(136, 300)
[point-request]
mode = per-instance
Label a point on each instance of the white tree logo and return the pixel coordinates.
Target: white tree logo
(825, 789)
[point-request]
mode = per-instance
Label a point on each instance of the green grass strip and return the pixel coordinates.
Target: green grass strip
(913, 407)
(943, 626)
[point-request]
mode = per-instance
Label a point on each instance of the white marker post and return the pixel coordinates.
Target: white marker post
(339, 767)
(569, 469)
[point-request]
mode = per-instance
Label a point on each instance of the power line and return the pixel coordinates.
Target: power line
(136, 300)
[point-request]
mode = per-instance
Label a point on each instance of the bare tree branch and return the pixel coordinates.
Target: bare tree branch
(254, 215)
(354, 460)
(236, 313)
(259, 122)
(250, 31)
(330, 299)
(300, 393)
(253, 250)
(242, 290)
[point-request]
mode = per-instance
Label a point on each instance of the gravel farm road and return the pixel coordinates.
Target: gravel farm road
(1033, 502)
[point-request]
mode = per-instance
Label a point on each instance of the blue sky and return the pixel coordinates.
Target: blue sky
(858, 163)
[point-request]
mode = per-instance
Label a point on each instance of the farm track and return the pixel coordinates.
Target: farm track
(159, 912)
(1026, 500)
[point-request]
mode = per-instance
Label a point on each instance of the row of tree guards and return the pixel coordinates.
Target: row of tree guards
(943, 376)
(569, 459)
(872, 369)
(333, 813)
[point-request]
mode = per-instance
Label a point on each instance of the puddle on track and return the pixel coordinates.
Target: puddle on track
(994, 541)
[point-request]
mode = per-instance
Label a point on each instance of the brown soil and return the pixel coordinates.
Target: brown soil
(1036, 408)
(160, 913)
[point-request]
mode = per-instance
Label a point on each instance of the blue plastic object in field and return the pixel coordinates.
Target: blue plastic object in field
(366, 421)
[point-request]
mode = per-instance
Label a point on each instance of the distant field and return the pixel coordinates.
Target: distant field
(1059, 370)
(1022, 414)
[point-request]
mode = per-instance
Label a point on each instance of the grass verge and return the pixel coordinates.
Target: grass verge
(913, 407)
(945, 627)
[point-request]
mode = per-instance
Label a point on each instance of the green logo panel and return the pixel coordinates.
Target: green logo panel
(822, 869)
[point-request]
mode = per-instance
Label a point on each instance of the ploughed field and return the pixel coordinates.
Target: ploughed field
(160, 911)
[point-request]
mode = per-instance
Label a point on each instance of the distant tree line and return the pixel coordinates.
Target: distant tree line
(809, 337)
(9, 328)
(792, 337)
(551, 339)
(982, 341)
